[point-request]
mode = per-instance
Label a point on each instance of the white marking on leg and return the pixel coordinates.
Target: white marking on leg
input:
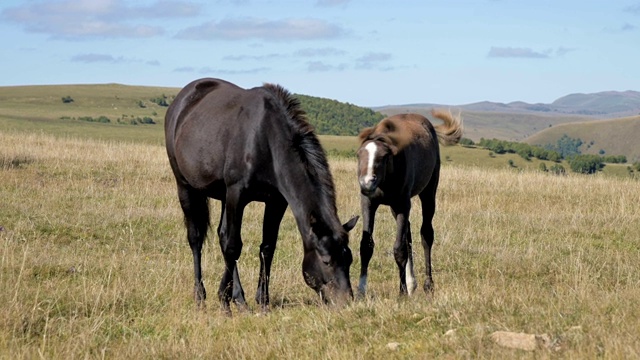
(409, 276)
(362, 286)
(371, 149)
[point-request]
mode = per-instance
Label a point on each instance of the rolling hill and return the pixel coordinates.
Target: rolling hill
(611, 136)
(512, 126)
(608, 119)
(116, 105)
(595, 118)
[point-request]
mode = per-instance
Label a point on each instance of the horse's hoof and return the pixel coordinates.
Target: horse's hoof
(243, 307)
(428, 288)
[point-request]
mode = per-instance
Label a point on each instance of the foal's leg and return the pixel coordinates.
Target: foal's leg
(273, 213)
(402, 247)
(366, 243)
(196, 217)
(428, 200)
(230, 244)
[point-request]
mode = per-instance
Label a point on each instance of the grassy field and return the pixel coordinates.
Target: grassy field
(94, 264)
(40, 109)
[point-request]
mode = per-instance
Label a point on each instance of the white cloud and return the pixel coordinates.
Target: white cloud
(373, 60)
(267, 30)
(319, 52)
(96, 58)
(252, 57)
(511, 52)
(78, 19)
(516, 52)
(319, 66)
(634, 9)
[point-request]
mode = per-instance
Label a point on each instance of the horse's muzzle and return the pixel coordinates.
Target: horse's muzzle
(368, 184)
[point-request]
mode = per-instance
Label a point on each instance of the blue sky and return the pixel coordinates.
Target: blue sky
(368, 53)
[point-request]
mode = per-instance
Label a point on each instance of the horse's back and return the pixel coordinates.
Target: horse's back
(421, 155)
(211, 124)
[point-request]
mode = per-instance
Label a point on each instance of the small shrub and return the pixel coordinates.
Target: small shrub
(585, 164)
(466, 142)
(557, 169)
(160, 100)
(543, 167)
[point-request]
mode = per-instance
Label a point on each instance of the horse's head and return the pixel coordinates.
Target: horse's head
(326, 263)
(374, 158)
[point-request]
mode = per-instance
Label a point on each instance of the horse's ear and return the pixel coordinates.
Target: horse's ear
(364, 134)
(351, 223)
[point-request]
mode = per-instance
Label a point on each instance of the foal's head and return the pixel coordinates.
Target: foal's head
(326, 263)
(378, 145)
(374, 160)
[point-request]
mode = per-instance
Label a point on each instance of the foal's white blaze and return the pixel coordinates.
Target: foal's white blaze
(371, 150)
(409, 276)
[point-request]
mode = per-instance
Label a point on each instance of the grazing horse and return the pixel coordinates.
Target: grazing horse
(242, 145)
(398, 159)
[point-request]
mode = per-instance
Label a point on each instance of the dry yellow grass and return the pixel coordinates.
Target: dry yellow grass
(94, 263)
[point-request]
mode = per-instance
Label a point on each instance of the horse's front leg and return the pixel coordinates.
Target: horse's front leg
(367, 243)
(231, 246)
(273, 213)
(402, 248)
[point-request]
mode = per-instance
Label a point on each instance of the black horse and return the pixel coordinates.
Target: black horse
(239, 146)
(398, 159)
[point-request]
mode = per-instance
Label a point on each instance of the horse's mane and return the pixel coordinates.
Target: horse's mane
(306, 142)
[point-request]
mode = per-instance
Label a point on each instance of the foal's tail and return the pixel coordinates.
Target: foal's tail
(450, 132)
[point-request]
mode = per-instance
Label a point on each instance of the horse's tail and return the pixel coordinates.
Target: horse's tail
(450, 132)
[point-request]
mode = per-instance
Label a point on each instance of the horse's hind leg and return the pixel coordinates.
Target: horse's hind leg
(196, 216)
(428, 200)
(231, 246)
(273, 213)
(402, 251)
(237, 294)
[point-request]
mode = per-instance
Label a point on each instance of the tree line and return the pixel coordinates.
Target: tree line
(566, 148)
(331, 117)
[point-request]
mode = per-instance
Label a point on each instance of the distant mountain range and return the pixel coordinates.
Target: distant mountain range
(615, 115)
(606, 104)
